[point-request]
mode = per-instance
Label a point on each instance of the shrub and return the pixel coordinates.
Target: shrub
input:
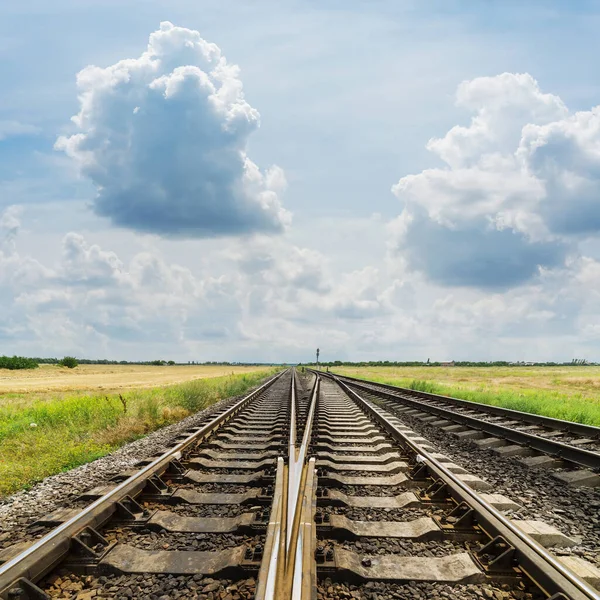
(196, 395)
(420, 385)
(69, 362)
(17, 362)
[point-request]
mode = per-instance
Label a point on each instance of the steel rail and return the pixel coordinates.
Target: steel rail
(297, 464)
(289, 567)
(293, 433)
(545, 571)
(568, 426)
(306, 571)
(564, 451)
(47, 552)
(270, 587)
(267, 576)
(300, 471)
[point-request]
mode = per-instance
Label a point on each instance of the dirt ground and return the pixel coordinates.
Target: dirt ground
(51, 378)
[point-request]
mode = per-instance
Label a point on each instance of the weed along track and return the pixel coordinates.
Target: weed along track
(307, 489)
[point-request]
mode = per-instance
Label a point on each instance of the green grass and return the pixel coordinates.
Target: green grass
(581, 406)
(74, 429)
(420, 385)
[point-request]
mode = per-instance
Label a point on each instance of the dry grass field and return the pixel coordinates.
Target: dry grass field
(53, 418)
(571, 393)
(52, 378)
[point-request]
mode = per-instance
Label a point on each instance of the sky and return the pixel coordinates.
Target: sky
(217, 180)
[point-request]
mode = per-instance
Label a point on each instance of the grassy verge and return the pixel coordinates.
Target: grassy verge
(577, 407)
(48, 437)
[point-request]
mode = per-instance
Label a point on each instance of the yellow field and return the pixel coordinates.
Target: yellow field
(101, 378)
(584, 381)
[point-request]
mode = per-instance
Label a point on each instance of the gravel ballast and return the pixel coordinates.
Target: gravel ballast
(575, 511)
(149, 586)
(327, 590)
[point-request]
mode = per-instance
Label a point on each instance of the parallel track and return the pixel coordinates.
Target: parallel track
(418, 478)
(303, 485)
(538, 440)
(199, 511)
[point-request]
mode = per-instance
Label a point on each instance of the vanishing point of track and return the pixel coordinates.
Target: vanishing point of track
(311, 487)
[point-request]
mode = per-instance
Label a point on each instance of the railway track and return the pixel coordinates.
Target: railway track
(570, 449)
(304, 489)
(191, 522)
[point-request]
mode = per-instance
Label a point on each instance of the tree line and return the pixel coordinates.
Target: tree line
(456, 363)
(14, 363)
(23, 362)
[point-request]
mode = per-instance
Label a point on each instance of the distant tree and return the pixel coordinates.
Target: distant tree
(17, 362)
(171, 362)
(69, 361)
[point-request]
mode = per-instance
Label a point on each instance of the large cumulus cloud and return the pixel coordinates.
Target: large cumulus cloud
(519, 189)
(163, 137)
(565, 156)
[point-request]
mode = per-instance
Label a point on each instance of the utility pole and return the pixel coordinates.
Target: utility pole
(317, 358)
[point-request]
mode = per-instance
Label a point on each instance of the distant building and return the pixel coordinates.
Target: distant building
(447, 364)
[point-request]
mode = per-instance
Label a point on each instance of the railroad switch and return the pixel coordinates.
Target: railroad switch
(252, 559)
(323, 522)
(255, 554)
(269, 474)
(88, 548)
(174, 470)
(266, 493)
(461, 518)
(129, 509)
(89, 543)
(437, 492)
(420, 472)
(322, 492)
(322, 518)
(157, 491)
(155, 486)
(498, 558)
(324, 555)
(261, 519)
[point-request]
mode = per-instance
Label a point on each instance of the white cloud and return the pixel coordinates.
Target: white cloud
(502, 106)
(520, 187)
(164, 137)
(565, 156)
(266, 299)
